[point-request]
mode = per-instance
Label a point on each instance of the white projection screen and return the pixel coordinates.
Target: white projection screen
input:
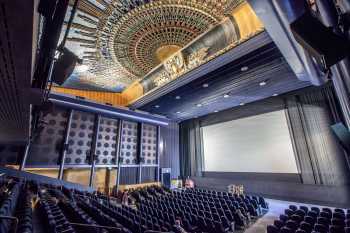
(260, 144)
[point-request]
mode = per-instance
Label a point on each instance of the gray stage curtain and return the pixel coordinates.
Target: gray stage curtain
(320, 158)
(191, 149)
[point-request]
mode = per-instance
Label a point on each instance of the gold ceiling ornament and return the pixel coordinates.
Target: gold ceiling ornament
(132, 37)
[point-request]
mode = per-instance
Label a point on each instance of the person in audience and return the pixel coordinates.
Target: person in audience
(125, 198)
(177, 226)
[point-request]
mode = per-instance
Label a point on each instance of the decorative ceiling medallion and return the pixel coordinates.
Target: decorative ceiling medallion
(123, 40)
(138, 35)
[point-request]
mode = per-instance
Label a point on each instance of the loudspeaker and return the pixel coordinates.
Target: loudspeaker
(165, 177)
(321, 42)
(64, 66)
(342, 134)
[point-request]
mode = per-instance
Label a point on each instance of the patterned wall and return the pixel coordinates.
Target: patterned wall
(106, 144)
(128, 149)
(80, 138)
(47, 143)
(149, 145)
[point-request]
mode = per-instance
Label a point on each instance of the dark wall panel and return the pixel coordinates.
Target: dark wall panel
(129, 175)
(169, 149)
(10, 154)
(149, 174)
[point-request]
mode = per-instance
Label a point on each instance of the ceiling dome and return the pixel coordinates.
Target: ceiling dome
(131, 37)
(138, 36)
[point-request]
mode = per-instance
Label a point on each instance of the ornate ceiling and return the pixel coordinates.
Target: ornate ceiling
(122, 40)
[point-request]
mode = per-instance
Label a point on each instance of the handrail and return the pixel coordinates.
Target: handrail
(12, 219)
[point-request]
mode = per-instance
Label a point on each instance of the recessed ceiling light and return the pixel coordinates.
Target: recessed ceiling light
(178, 112)
(205, 85)
(244, 68)
(216, 111)
(263, 83)
(275, 94)
(199, 105)
(226, 95)
(241, 104)
(156, 106)
(177, 97)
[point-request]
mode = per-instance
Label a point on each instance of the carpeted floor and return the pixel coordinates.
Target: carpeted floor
(276, 208)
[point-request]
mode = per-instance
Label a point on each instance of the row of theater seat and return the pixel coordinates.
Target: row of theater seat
(57, 209)
(200, 211)
(314, 219)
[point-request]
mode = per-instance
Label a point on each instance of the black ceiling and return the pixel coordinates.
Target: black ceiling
(242, 86)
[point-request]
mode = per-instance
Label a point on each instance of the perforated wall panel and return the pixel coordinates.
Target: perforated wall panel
(80, 138)
(149, 144)
(106, 144)
(45, 149)
(128, 149)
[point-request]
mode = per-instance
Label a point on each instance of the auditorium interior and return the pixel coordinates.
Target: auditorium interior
(174, 116)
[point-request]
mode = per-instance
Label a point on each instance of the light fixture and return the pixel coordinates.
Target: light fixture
(263, 83)
(226, 95)
(216, 111)
(156, 106)
(177, 97)
(205, 85)
(244, 68)
(241, 104)
(178, 112)
(199, 105)
(275, 94)
(81, 68)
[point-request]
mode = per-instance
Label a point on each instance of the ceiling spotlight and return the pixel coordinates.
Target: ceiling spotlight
(177, 97)
(275, 94)
(178, 112)
(199, 105)
(241, 104)
(156, 106)
(226, 95)
(244, 68)
(263, 83)
(205, 85)
(216, 111)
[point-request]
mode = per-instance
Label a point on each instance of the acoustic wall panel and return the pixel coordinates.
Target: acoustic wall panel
(48, 139)
(80, 138)
(106, 142)
(128, 148)
(149, 144)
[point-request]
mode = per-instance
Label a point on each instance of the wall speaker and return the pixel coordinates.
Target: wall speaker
(166, 177)
(321, 42)
(64, 66)
(342, 134)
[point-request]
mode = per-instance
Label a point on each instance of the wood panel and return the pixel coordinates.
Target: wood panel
(116, 99)
(133, 92)
(247, 21)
